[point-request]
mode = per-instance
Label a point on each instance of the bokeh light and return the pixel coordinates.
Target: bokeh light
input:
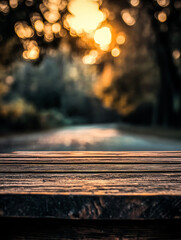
(127, 17)
(176, 54)
(4, 8)
(88, 59)
(115, 52)
(134, 3)
(32, 50)
(23, 30)
(56, 28)
(162, 16)
(13, 3)
(163, 3)
(39, 26)
(86, 16)
(121, 38)
(103, 37)
(91, 57)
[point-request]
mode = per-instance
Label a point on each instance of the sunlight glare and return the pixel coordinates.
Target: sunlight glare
(86, 16)
(103, 37)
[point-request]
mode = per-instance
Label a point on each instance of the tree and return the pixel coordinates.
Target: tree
(152, 26)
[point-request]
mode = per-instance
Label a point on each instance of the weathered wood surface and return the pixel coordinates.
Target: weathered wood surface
(91, 185)
(46, 229)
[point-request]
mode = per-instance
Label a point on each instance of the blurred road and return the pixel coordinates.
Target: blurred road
(103, 137)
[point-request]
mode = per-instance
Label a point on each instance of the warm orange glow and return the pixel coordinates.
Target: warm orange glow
(13, 3)
(56, 28)
(23, 30)
(121, 38)
(51, 9)
(128, 18)
(104, 82)
(4, 7)
(88, 59)
(48, 33)
(134, 3)
(52, 16)
(176, 54)
(86, 16)
(93, 53)
(162, 16)
(31, 50)
(39, 26)
(103, 37)
(115, 52)
(163, 3)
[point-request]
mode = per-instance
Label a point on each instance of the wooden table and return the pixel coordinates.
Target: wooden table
(107, 195)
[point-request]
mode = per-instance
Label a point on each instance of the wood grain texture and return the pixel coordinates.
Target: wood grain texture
(91, 185)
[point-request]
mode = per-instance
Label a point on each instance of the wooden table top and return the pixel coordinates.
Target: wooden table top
(91, 185)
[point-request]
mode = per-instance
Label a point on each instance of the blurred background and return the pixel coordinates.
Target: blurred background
(90, 75)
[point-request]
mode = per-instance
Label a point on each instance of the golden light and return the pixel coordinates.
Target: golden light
(86, 16)
(163, 3)
(162, 16)
(88, 59)
(94, 53)
(32, 50)
(48, 33)
(56, 28)
(134, 3)
(13, 3)
(52, 16)
(39, 26)
(120, 38)
(115, 52)
(4, 7)
(23, 30)
(176, 54)
(103, 37)
(128, 18)
(104, 47)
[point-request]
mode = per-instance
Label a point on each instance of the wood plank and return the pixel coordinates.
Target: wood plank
(89, 168)
(90, 207)
(83, 154)
(89, 160)
(53, 229)
(91, 184)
